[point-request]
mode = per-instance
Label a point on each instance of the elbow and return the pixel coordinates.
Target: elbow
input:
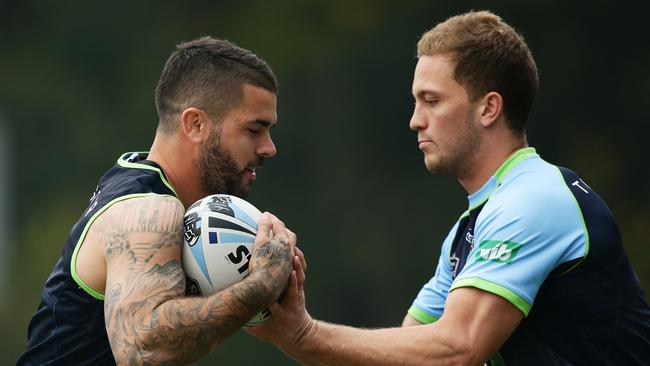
(141, 349)
(463, 353)
(140, 353)
(151, 347)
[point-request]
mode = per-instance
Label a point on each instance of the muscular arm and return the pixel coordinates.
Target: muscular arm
(148, 319)
(474, 325)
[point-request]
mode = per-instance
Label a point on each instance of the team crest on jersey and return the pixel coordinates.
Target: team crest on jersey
(497, 251)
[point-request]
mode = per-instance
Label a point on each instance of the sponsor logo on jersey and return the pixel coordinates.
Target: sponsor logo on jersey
(497, 251)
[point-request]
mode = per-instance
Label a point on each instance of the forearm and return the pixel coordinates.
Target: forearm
(148, 318)
(333, 345)
(474, 326)
(181, 330)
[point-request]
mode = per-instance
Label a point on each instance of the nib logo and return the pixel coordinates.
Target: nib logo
(497, 251)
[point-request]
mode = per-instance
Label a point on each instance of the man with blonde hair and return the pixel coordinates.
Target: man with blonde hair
(533, 273)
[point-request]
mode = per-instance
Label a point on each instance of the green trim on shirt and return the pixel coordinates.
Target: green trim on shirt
(421, 316)
(73, 262)
(496, 289)
(513, 160)
(121, 161)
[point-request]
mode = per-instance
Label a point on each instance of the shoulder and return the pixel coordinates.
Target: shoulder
(534, 189)
(130, 175)
(141, 213)
(160, 203)
(532, 201)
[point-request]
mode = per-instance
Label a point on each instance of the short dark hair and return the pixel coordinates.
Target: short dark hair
(489, 56)
(209, 74)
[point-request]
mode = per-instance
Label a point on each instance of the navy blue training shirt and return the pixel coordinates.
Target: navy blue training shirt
(68, 327)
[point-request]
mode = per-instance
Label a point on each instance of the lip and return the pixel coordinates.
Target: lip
(424, 143)
(251, 173)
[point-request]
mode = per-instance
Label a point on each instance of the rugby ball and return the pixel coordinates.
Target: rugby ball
(219, 232)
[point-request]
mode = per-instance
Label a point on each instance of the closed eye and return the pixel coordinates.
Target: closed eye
(430, 102)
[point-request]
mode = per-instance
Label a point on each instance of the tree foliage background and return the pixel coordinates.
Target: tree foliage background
(76, 90)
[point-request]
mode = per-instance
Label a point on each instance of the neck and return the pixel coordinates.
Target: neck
(177, 163)
(486, 160)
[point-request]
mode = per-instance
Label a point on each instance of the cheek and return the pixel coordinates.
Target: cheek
(446, 122)
(243, 151)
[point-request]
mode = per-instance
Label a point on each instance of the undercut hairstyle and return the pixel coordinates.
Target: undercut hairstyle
(489, 55)
(208, 74)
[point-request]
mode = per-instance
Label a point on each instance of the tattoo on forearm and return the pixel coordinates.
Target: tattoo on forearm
(180, 329)
(273, 261)
(149, 321)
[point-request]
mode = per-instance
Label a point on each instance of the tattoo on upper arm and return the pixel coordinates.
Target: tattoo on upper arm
(157, 216)
(147, 316)
(142, 227)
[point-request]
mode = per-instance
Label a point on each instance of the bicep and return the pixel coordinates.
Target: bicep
(484, 320)
(142, 243)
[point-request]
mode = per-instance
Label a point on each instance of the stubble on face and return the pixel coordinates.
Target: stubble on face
(456, 154)
(218, 170)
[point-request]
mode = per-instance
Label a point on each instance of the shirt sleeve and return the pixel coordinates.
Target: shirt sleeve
(520, 238)
(430, 301)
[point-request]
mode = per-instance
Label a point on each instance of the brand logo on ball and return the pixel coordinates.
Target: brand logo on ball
(238, 255)
(192, 232)
(219, 234)
(497, 251)
(221, 204)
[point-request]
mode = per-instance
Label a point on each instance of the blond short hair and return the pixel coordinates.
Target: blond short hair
(489, 55)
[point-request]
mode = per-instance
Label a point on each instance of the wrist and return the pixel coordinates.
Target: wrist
(306, 332)
(274, 281)
(259, 288)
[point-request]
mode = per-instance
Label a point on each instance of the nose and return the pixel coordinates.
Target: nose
(417, 122)
(267, 148)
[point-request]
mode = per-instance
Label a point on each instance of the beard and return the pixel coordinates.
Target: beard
(218, 170)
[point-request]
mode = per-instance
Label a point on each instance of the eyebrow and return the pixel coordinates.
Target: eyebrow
(423, 92)
(263, 123)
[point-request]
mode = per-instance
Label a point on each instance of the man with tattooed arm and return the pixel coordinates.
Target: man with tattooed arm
(117, 293)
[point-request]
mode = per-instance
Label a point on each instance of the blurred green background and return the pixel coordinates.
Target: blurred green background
(76, 90)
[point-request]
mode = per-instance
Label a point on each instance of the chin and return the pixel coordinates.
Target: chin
(241, 192)
(431, 165)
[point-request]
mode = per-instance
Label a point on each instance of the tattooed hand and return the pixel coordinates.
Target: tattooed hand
(273, 253)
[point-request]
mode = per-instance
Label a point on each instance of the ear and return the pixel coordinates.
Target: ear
(195, 125)
(492, 108)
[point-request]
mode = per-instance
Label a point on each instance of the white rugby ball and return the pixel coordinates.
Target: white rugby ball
(218, 242)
